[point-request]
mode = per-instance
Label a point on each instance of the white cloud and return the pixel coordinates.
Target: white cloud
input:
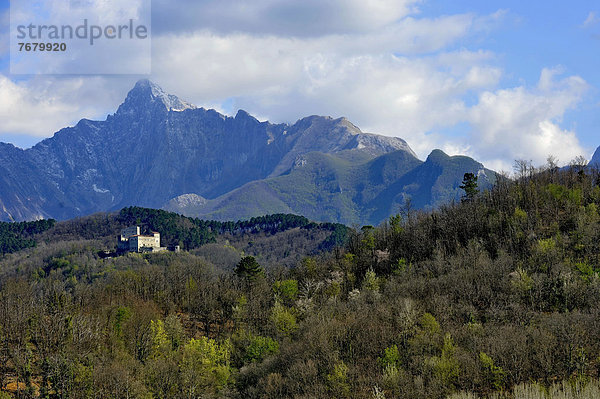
(307, 18)
(340, 75)
(109, 11)
(284, 79)
(385, 94)
(522, 123)
(42, 106)
(92, 55)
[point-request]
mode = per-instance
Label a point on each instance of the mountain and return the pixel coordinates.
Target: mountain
(596, 158)
(328, 187)
(158, 149)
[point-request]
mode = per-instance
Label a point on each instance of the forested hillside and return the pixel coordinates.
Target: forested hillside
(17, 236)
(496, 295)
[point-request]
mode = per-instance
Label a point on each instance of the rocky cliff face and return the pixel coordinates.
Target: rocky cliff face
(596, 158)
(157, 147)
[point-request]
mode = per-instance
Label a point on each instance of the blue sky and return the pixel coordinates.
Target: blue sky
(495, 80)
(542, 34)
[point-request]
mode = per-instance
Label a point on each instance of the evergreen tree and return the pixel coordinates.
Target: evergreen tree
(248, 268)
(469, 184)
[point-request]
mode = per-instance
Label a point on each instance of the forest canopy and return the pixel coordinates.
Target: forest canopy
(495, 295)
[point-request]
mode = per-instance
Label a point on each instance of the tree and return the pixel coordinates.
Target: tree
(205, 366)
(469, 184)
(523, 168)
(248, 268)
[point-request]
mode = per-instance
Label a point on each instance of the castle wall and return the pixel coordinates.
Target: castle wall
(130, 231)
(131, 240)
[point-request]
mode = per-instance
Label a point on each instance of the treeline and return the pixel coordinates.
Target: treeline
(192, 232)
(495, 296)
(17, 236)
(174, 229)
(189, 233)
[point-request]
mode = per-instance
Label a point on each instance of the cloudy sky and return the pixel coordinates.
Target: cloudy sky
(495, 80)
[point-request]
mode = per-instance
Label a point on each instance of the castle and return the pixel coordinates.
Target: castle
(131, 240)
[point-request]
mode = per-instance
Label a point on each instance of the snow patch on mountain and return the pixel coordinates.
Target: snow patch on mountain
(100, 190)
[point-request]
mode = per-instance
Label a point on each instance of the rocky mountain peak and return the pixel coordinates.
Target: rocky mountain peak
(146, 94)
(149, 153)
(437, 156)
(244, 116)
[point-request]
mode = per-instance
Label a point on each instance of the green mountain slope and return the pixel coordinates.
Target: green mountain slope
(346, 188)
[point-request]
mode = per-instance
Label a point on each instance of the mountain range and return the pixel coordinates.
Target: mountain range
(159, 151)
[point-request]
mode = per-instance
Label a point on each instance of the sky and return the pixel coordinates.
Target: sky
(494, 80)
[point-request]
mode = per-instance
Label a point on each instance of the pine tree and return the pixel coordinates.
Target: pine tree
(469, 184)
(248, 268)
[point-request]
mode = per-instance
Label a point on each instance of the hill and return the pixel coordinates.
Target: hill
(261, 237)
(497, 295)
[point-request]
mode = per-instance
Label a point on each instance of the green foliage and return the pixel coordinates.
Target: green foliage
(563, 194)
(122, 314)
(160, 341)
(260, 347)
(333, 290)
(399, 267)
(494, 374)
(521, 281)
(193, 233)
(429, 325)
(286, 290)
(371, 282)
(482, 295)
(427, 338)
(205, 365)
(587, 271)
(283, 319)
(520, 215)
(338, 380)
(395, 222)
(174, 229)
(546, 246)
(391, 357)
(445, 366)
(338, 237)
(368, 239)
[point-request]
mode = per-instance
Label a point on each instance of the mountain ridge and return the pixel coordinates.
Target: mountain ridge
(156, 148)
(364, 193)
